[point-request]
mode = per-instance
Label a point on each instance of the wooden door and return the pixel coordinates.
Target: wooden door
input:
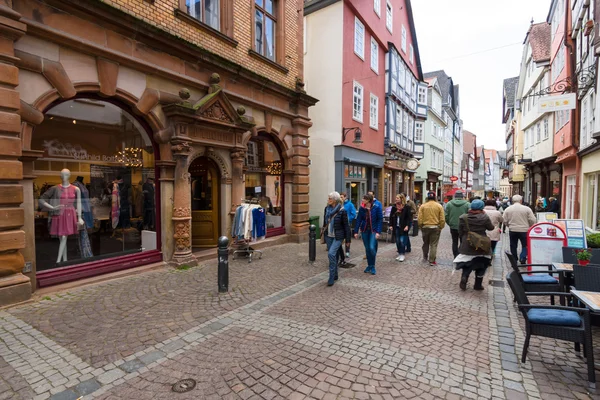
(205, 203)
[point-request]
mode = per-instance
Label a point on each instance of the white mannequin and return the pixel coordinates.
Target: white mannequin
(65, 176)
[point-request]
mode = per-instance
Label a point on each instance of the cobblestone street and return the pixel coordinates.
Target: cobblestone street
(280, 332)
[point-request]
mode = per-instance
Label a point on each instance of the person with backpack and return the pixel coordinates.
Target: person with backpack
(454, 209)
(368, 224)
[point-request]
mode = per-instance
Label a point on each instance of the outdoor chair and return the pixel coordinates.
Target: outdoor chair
(558, 322)
(587, 278)
(538, 281)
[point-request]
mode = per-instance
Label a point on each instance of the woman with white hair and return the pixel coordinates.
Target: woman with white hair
(336, 229)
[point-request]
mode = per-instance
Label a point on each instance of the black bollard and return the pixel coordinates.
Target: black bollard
(312, 243)
(223, 254)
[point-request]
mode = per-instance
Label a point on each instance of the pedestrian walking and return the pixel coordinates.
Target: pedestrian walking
(518, 218)
(496, 218)
(553, 206)
(415, 210)
(431, 220)
(454, 209)
(351, 212)
(400, 221)
(368, 225)
(475, 249)
(337, 230)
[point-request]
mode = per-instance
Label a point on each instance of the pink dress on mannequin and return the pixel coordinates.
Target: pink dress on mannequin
(65, 223)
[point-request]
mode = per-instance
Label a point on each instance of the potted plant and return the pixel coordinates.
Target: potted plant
(583, 256)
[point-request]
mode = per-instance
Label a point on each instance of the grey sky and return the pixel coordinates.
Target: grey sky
(450, 31)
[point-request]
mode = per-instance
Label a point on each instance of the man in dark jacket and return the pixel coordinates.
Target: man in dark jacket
(336, 229)
(553, 206)
(454, 209)
(470, 258)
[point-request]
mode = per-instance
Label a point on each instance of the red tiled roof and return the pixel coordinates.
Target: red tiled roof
(539, 39)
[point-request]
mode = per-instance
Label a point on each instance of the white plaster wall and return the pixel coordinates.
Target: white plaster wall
(323, 75)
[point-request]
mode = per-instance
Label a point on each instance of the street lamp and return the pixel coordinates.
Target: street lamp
(357, 134)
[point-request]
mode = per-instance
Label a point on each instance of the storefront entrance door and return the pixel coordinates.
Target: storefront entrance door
(205, 202)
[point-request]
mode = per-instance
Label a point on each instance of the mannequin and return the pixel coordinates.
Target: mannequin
(64, 205)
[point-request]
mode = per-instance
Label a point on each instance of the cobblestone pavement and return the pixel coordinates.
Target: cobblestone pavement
(280, 332)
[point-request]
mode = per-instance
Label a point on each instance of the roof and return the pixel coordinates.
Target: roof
(510, 89)
(540, 41)
(445, 83)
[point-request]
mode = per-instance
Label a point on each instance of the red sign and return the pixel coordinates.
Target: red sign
(538, 230)
(453, 178)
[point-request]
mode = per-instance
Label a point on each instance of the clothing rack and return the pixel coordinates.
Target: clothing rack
(243, 245)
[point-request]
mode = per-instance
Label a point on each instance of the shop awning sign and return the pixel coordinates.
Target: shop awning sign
(557, 103)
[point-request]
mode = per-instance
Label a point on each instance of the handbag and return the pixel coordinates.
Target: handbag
(477, 241)
(324, 228)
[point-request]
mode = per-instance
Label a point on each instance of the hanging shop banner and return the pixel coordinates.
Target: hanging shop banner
(544, 243)
(575, 230)
(546, 216)
(557, 103)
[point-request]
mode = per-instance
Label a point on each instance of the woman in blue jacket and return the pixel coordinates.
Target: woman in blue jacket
(368, 224)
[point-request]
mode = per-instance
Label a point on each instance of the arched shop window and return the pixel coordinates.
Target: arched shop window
(264, 180)
(98, 162)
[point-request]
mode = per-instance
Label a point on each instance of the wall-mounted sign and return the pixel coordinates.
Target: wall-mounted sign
(453, 178)
(557, 103)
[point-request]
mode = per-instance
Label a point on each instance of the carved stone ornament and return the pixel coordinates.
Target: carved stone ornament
(182, 212)
(180, 148)
(238, 155)
(182, 235)
(186, 176)
(217, 112)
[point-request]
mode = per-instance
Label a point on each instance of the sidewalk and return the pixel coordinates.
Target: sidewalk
(280, 332)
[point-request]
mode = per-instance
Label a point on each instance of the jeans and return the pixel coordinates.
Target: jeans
(401, 241)
(370, 243)
(455, 240)
(494, 243)
(431, 237)
(408, 249)
(516, 237)
(333, 246)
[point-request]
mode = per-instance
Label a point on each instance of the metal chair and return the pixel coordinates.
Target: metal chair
(558, 322)
(538, 281)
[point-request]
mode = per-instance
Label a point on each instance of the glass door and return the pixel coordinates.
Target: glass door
(570, 206)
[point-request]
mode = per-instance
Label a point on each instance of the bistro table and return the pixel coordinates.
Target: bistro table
(563, 267)
(590, 299)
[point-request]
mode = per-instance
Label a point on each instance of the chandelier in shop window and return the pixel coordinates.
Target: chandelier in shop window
(130, 157)
(275, 168)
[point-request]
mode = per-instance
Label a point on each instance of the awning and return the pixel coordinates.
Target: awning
(451, 192)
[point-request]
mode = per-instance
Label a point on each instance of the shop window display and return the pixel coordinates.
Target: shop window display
(264, 180)
(94, 191)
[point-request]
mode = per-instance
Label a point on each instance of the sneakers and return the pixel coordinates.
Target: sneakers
(400, 258)
(373, 272)
(347, 254)
(367, 270)
(432, 263)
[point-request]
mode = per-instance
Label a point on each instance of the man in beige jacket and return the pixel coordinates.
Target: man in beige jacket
(518, 219)
(431, 220)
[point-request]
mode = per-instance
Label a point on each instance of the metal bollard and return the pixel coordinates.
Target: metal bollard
(312, 243)
(223, 272)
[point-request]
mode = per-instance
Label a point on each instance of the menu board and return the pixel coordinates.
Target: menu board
(575, 230)
(544, 243)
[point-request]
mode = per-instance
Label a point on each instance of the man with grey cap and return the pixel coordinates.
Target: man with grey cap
(454, 209)
(518, 219)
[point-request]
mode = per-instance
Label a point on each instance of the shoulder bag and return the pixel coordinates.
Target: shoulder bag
(324, 228)
(477, 241)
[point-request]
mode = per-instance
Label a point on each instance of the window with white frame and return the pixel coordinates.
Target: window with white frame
(359, 38)
(422, 97)
(374, 55)
(357, 102)
(570, 204)
(592, 219)
(411, 54)
(377, 7)
(538, 136)
(389, 16)
(584, 125)
(546, 131)
(526, 139)
(418, 132)
(404, 123)
(398, 125)
(373, 111)
(403, 43)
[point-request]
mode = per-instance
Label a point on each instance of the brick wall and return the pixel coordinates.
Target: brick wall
(161, 14)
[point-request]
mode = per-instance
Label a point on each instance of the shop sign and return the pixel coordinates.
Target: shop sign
(575, 229)
(211, 136)
(56, 149)
(453, 178)
(544, 243)
(557, 103)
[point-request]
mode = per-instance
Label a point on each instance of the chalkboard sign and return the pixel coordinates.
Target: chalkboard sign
(544, 243)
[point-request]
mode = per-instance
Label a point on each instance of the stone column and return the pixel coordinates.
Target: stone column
(166, 180)
(182, 206)
(237, 178)
(14, 286)
(301, 179)
(29, 206)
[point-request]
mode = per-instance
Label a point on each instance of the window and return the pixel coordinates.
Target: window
(526, 139)
(252, 155)
(411, 55)
(389, 20)
(403, 43)
(418, 132)
(538, 135)
(546, 133)
(593, 201)
(374, 56)
(359, 38)
(377, 7)
(265, 24)
(571, 190)
(357, 103)
(374, 110)
(584, 125)
(206, 11)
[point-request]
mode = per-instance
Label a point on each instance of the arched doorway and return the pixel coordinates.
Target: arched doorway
(204, 179)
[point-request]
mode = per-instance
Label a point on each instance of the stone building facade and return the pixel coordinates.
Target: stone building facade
(170, 116)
